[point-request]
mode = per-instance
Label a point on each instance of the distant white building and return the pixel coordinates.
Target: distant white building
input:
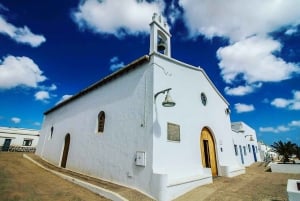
(245, 143)
(122, 129)
(18, 139)
(266, 152)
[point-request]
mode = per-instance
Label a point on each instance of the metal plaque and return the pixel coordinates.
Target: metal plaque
(173, 132)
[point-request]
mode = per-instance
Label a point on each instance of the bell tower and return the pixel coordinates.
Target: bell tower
(160, 37)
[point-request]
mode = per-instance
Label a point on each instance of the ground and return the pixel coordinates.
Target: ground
(255, 185)
(22, 180)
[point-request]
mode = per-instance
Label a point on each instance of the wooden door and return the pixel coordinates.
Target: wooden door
(207, 146)
(66, 151)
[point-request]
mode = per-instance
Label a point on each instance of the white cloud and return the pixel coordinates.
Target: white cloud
(20, 34)
(42, 96)
(114, 59)
(296, 95)
(291, 31)
(53, 87)
(240, 107)
(115, 64)
(252, 61)
(268, 129)
(249, 56)
(173, 12)
(116, 17)
(45, 93)
(291, 104)
(19, 71)
(295, 106)
(36, 123)
(281, 128)
(295, 123)
(16, 120)
(280, 102)
(238, 19)
(63, 98)
(241, 90)
(278, 129)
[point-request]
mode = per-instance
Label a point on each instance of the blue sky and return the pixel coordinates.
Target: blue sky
(50, 50)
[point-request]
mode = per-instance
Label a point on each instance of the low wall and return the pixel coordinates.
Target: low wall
(20, 149)
(285, 168)
(292, 190)
(232, 171)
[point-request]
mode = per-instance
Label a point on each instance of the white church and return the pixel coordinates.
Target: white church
(157, 125)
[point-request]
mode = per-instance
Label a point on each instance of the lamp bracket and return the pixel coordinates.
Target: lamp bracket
(161, 92)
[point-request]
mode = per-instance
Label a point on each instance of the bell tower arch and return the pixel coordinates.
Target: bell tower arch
(160, 37)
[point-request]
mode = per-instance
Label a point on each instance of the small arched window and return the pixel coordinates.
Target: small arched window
(51, 132)
(101, 121)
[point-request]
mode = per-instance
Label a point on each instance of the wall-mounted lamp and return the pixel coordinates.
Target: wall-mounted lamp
(168, 102)
(251, 137)
(227, 111)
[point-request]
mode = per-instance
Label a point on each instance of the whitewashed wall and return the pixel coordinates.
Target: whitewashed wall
(242, 138)
(182, 159)
(17, 136)
(126, 102)
(266, 152)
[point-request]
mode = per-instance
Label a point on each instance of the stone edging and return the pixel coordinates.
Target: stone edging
(96, 189)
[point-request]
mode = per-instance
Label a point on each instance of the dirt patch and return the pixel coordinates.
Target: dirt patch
(21, 180)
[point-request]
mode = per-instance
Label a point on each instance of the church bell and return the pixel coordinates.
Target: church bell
(161, 46)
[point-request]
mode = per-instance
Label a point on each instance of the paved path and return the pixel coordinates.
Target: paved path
(255, 185)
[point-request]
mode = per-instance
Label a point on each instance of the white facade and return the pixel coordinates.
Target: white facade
(245, 144)
(266, 152)
(18, 139)
(142, 144)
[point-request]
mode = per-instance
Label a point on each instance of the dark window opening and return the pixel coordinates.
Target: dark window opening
(236, 150)
(51, 133)
(101, 121)
(245, 153)
(27, 142)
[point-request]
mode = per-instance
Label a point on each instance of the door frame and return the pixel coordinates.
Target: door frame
(213, 160)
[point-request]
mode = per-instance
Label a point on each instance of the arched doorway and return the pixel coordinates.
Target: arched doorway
(208, 151)
(66, 151)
